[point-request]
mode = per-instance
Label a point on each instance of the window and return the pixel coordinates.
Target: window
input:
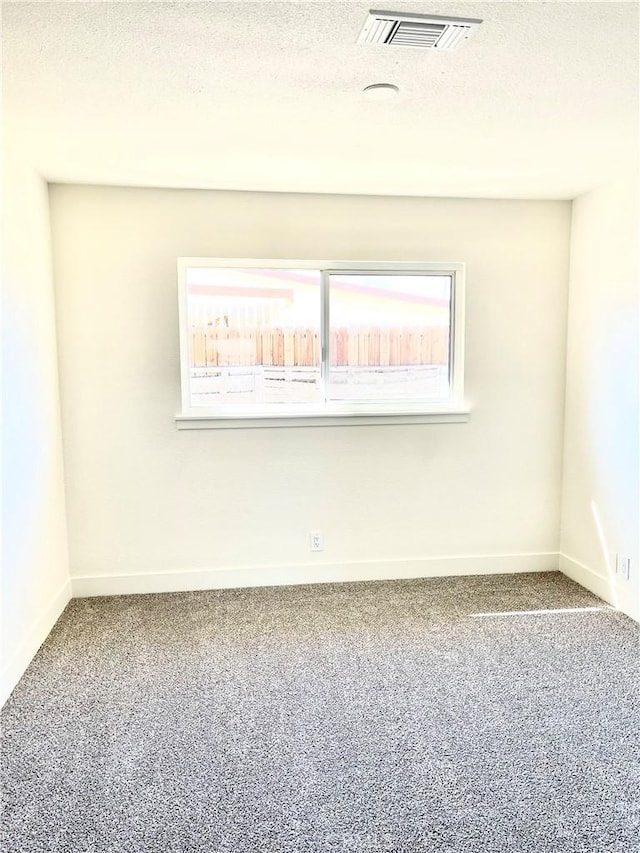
(299, 340)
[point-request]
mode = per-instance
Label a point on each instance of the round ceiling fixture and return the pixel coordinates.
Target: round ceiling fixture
(380, 92)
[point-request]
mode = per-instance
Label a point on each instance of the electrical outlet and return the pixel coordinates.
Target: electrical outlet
(317, 540)
(623, 566)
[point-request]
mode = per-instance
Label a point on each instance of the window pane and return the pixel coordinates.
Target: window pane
(389, 337)
(254, 336)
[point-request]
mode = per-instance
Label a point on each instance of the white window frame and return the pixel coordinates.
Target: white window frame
(452, 410)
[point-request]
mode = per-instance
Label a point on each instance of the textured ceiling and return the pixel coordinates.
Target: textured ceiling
(542, 102)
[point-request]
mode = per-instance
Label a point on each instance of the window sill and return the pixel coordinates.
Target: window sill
(451, 414)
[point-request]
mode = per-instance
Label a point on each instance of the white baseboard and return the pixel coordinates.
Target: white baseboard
(198, 579)
(621, 595)
(586, 577)
(16, 666)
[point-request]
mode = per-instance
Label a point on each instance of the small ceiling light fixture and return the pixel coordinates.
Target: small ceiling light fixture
(426, 32)
(380, 92)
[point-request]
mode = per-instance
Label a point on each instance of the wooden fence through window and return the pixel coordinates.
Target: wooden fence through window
(215, 346)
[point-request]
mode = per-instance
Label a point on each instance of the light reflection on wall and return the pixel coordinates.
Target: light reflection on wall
(611, 578)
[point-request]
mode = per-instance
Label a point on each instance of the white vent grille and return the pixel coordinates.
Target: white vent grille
(426, 32)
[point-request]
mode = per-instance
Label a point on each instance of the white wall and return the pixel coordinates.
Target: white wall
(600, 505)
(35, 574)
(391, 500)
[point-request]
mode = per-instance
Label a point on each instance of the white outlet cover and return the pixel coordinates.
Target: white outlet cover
(623, 566)
(316, 540)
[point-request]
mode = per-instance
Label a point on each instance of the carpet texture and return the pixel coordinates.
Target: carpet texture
(421, 715)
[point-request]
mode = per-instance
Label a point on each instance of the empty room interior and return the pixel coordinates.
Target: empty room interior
(320, 467)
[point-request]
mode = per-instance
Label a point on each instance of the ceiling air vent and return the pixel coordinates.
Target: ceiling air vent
(427, 32)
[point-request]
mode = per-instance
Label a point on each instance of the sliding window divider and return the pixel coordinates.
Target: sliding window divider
(325, 333)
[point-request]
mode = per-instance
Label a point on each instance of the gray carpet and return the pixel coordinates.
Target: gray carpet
(383, 716)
